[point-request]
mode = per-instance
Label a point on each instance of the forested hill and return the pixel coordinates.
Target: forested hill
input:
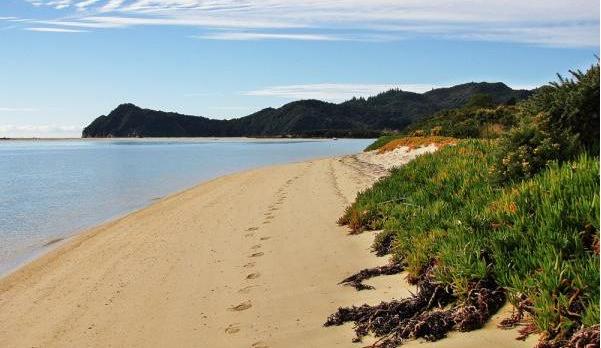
(389, 111)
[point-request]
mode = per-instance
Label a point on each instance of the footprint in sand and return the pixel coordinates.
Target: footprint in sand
(232, 329)
(269, 217)
(249, 235)
(259, 344)
(253, 276)
(249, 265)
(247, 289)
(252, 228)
(255, 247)
(266, 222)
(265, 238)
(257, 254)
(241, 307)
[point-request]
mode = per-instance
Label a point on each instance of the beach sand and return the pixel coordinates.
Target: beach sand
(246, 260)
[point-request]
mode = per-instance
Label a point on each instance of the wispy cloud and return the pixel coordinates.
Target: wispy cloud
(55, 30)
(111, 5)
(266, 36)
(541, 22)
(84, 4)
(7, 130)
(59, 4)
(256, 36)
(334, 92)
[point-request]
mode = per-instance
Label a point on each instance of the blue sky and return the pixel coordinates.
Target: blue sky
(65, 62)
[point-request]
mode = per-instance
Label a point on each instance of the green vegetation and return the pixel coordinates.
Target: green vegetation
(479, 118)
(448, 219)
(558, 122)
(390, 111)
(469, 122)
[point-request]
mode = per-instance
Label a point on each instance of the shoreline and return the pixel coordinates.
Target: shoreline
(71, 237)
(26, 250)
(250, 259)
(281, 138)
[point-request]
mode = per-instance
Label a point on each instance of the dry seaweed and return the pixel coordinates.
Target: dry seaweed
(585, 338)
(383, 243)
(392, 320)
(356, 280)
(423, 315)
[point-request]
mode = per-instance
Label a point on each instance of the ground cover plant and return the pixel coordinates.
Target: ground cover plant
(471, 237)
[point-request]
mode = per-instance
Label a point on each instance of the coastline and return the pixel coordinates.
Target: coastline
(97, 192)
(246, 259)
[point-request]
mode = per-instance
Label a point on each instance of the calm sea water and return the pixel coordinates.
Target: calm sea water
(52, 189)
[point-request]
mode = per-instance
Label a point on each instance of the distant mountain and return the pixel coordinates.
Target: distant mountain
(359, 117)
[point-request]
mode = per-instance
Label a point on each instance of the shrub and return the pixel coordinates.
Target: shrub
(469, 122)
(558, 122)
(481, 100)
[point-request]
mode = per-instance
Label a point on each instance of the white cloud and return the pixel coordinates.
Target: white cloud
(542, 22)
(111, 5)
(266, 36)
(84, 4)
(79, 24)
(334, 92)
(201, 21)
(55, 30)
(256, 36)
(7, 130)
(529, 86)
(59, 4)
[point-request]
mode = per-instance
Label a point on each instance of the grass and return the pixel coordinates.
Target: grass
(537, 238)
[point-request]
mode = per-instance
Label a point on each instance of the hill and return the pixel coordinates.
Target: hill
(393, 110)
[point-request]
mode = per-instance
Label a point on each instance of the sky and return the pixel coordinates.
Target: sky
(65, 62)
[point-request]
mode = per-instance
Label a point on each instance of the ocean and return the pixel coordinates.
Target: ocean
(52, 189)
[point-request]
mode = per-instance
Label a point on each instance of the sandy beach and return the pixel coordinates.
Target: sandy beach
(246, 260)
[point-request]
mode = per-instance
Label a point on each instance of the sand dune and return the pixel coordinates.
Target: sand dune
(246, 260)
